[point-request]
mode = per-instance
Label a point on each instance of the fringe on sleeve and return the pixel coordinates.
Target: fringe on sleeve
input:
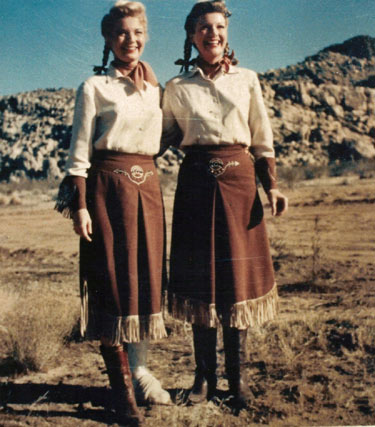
(71, 195)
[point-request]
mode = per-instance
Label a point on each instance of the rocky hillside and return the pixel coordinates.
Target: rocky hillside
(35, 129)
(322, 111)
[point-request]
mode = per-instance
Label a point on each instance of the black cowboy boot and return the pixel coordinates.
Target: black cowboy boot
(210, 358)
(204, 386)
(235, 360)
(120, 379)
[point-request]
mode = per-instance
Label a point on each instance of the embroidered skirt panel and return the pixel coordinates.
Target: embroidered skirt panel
(221, 267)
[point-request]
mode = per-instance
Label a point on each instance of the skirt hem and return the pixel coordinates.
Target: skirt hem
(242, 315)
(120, 329)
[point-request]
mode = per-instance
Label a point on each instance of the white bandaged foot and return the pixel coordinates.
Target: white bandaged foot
(148, 388)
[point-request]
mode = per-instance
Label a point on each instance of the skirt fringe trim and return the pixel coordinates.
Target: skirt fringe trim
(120, 329)
(131, 329)
(242, 315)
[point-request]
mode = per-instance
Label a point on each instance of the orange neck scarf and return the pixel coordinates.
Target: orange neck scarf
(212, 69)
(140, 73)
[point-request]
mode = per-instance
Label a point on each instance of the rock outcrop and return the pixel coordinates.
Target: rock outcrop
(35, 130)
(322, 111)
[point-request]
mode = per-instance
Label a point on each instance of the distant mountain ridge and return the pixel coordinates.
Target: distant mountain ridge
(357, 47)
(322, 110)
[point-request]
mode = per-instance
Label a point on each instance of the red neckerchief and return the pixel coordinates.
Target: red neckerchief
(140, 73)
(223, 64)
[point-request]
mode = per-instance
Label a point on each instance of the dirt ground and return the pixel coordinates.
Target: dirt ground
(314, 365)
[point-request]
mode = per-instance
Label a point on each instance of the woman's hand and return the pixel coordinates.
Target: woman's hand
(82, 224)
(278, 202)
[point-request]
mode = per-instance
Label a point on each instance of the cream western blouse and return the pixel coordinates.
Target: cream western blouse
(112, 114)
(226, 110)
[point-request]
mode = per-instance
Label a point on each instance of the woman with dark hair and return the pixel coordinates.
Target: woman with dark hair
(112, 192)
(221, 268)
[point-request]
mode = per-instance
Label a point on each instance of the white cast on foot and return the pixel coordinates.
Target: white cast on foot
(148, 388)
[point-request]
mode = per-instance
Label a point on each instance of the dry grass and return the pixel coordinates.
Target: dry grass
(39, 308)
(291, 176)
(35, 328)
(10, 199)
(25, 184)
(313, 365)
(308, 364)
(316, 249)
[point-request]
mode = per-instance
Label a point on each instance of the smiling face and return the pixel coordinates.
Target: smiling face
(127, 40)
(211, 36)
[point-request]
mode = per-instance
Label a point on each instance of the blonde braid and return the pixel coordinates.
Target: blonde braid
(102, 69)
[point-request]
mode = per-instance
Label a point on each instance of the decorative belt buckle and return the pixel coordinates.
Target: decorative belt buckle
(216, 166)
(137, 174)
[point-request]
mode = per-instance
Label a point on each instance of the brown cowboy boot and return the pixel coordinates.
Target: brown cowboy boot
(205, 380)
(120, 379)
(235, 360)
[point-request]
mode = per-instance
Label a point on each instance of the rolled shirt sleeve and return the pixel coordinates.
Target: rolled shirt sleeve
(83, 131)
(259, 123)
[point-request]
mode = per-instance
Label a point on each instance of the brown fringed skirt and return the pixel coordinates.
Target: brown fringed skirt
(221, 267)
(123, 268)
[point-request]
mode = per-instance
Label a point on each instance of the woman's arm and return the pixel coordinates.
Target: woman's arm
(82, 223)
(81, 144)
(71, 200)
(263, 151)
(259, 123)
(265, 168)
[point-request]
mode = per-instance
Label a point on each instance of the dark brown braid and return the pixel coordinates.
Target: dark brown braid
(234, 61)
(196, 12)
(185, 63)
(98, 70)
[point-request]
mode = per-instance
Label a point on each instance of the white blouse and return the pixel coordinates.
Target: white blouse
(112, 114)
(228, 109)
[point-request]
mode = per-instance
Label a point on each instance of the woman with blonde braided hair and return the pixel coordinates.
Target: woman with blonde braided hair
(221, 270)
(112, 192)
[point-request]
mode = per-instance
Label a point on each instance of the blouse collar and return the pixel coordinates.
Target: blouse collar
(196, 69)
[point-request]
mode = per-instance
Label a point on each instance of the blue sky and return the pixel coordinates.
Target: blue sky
(54, 43)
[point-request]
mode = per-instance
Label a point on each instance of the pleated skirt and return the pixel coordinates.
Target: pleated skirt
(220, 268)
(122, 270)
